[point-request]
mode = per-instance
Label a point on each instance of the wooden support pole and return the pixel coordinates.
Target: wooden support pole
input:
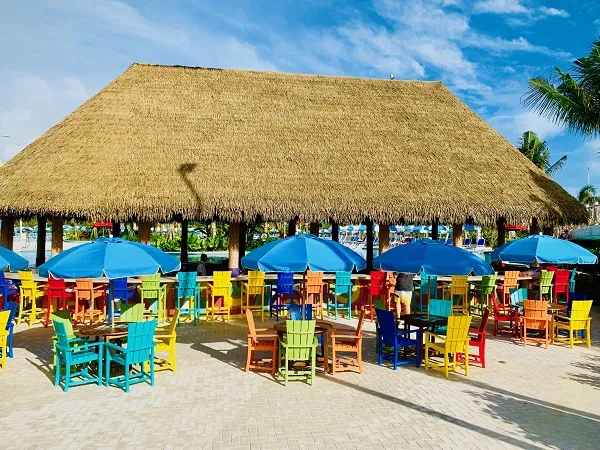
(116, 229)
(234, 248)
(548, 230)
(144, 232)
(315, 227)
(40, 253)
(335, 231)
(369, 224)
(291, 231)
(535, 227)
(57, 235)
(501, 222)
(457, 234)
(384, 238)
(184, 241)
(434, 229)
(242, 244)
(7, 232)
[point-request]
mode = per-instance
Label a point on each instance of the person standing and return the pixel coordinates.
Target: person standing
(404, 292)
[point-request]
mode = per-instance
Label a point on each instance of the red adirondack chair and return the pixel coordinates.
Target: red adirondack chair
(561, 285)
(477, 337)
(58, 290)
(505, 313)
(377, 288)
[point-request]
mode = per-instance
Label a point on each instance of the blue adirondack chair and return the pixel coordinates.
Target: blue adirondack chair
(428, 287)
(187, 288)
(139, 351)
(388, 334)
(442, 308)
(7, 290)
(118, 289)
(76, 352)
(12, 307)
(343, 286)
(284, 286)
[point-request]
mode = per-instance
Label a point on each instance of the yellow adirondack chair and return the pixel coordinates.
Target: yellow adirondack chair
(255, 287)
(459, 294)
(4, 316)
(165, 338)
(455, 341)
(578, 321)
(29, 292)
(219, 296)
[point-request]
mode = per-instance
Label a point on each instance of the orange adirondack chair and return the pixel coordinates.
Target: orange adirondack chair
(85, 291)
(347, 341)
(315, 291)
(536, 318)
(510, 282)
(266, 341)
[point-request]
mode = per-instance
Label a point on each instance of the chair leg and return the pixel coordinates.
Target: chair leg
(67, 375)
(173, 360)
(313, 364)
(482, 355)
(570, 337)
(587, 334)
(99, 372)
(249, 355)
(426, 356)
(56, 370)
(446, 364)
(467, 360)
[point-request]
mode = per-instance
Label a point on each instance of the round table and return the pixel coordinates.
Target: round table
(321, 327)
(103, 331)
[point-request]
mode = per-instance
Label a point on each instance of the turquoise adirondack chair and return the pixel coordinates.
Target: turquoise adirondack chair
(427, 287)
(342, 287)
(298, 346)
(187, 288)
(139, 351)
(443, 308)
(75, 352)
(572, 280)
(132, 312)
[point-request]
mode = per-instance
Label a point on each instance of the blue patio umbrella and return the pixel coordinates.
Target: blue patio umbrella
(302, 252)
(11, 260)
(109, 257)
(433, 258)
(543, 250)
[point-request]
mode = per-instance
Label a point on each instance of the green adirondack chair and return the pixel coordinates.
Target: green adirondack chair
(487, 288)
(75, 352)
(64, 316)
(298, 346)
(155, 294)
(545, 284)
(132, 312)
(139, 351)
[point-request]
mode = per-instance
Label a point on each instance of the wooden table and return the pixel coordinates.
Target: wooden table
(552, 307)
(105, 331)
(422, 322)
(321, 327)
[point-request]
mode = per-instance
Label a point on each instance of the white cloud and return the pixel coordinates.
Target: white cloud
(500, 7)
(512, 124)
(553, 12)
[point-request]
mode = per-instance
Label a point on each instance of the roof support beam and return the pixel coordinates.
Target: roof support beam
(291, 231)
(535, 227)
(7, 232)
(242, 243)
(369, 224)
(184, 241)
(457, 234)
(384, 238)
(434, 229)
(335, 231)
(234, 248)
(144, 232)
(57, 235)
(501, 231)
(116, 229)
(40, 253)
(315, 227)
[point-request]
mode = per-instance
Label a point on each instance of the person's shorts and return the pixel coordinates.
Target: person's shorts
(404, 297)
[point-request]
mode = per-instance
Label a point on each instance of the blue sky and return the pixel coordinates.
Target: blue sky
(55, 53)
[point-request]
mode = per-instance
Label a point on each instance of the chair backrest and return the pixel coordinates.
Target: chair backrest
(285, 283)
(62, 331)
(467, 242)
(295, 311)
(300, 336)
(172, 330)
(546, 277)
(186, 280)
(343, 282)
(56, 284)
(580, 311)
(387, 327)
(314, 282)
(140, 339)
(460, 282)
(256, 278)
(4, 318)
(518, 295)
(484, 321)
(29, 287)
(84, 284)
(361, 321)
(428, 284)
(511, 279)
(119, 284)
(488, 284)
(118, 289)
(12, 309)
(251, 326)
(457, 333)
(574, 296)
(222, 278)
(480, 242)
(377, 286)
(562, 278)
(151, 282)
(63, 316)
(132, 312)
(439, 307)
(25, 275)
(535, 309)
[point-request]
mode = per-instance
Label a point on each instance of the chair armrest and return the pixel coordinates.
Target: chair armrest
(560, 317)
(267, 336)
(342, 331)
(265, 329)
(116, 347)
(430, 334)
(346, 336)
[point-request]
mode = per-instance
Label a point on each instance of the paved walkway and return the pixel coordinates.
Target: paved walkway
(525, 398)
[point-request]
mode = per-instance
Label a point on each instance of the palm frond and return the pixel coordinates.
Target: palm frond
(557, 166)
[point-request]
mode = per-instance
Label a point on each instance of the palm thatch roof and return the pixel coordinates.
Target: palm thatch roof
(163, 141)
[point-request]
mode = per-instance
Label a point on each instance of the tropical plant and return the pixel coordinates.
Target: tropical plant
(587, 194)
(572, 100)
(538, 152)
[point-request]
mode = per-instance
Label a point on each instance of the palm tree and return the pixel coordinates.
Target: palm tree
(538, 152)
(571, 100)
(587, 195)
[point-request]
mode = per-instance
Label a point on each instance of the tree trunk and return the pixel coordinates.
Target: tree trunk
(7, 232)
(457, 236)
(501, 222)
(116, 229)
(213, 229)
(144, 232)
(184, 241)
(40, 254)
(384, 238)
(315, 227)
(242, 243)
(535, 227)
(291, 231)
(234, 247)
(434, 229)
(335, 231)
(57, 235)
(369, 225)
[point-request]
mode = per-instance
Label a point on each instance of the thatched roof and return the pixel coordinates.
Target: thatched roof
(161, 141)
